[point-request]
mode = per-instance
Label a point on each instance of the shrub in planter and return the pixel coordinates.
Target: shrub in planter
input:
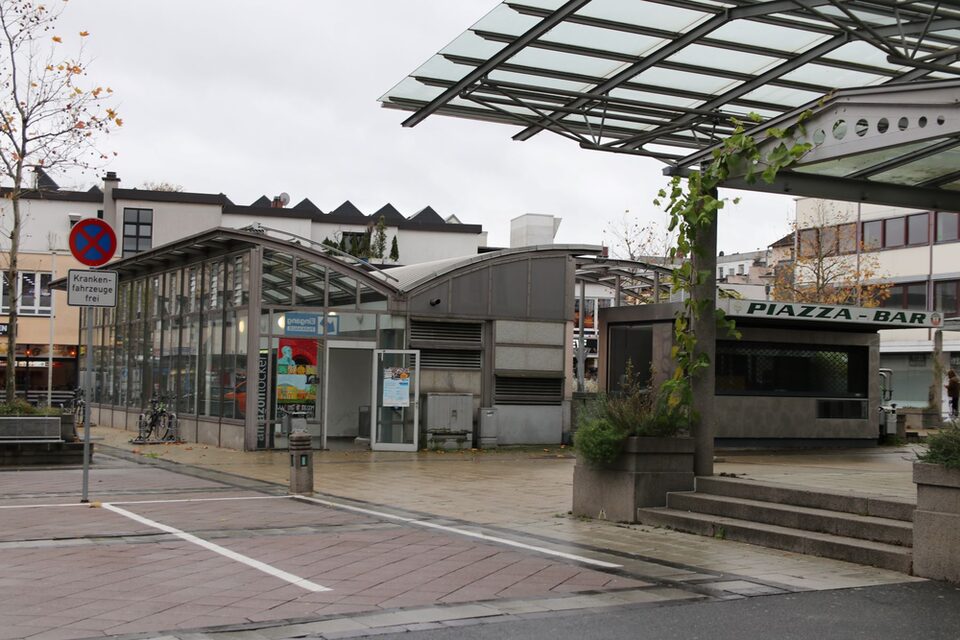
(943, 447)
(605, 423)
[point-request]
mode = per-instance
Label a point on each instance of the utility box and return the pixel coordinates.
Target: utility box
(448, 420)
(489, 428)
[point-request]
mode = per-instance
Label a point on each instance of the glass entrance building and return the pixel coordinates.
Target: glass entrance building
(245, 334)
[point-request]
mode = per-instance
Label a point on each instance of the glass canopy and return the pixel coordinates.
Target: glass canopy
(669, 78)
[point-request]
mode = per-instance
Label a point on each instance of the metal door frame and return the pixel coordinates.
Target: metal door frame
(342, 344)
(376, 402)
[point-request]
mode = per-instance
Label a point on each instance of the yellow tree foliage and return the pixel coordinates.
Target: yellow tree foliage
(818, 273)
(50, 117)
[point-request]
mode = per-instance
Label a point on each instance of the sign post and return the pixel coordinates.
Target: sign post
(93, 243)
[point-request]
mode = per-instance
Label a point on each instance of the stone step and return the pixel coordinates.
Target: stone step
(895, 532)
(847, 502)
(877, 554)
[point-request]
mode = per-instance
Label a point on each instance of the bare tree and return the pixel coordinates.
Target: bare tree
(828, 267)
(161, 186)
(49, 120)
(636, 240)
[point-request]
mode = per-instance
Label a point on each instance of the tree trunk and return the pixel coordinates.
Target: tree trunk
(13, 289)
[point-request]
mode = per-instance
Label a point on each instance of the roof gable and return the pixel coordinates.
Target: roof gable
(389, 214)
(427, 216)
(347, 209)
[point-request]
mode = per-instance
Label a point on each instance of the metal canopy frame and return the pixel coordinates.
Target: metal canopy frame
(669, 79)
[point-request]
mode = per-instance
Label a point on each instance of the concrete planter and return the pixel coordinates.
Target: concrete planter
(641, 476)
(936, 522)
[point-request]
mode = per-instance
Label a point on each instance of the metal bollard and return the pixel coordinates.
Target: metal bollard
(301, 464)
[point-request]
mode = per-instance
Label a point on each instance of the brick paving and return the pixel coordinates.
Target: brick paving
(79, 572)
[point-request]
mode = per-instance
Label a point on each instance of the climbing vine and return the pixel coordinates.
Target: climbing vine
(692, 209)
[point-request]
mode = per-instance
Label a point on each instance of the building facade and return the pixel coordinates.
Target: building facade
(143, 218)
(916, 252)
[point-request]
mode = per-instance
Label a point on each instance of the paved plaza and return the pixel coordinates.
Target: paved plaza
(189, 541)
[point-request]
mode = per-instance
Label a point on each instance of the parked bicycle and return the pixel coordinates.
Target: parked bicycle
(157, 424)
(79, 405)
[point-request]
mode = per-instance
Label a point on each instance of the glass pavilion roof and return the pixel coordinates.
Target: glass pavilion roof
(668, 78)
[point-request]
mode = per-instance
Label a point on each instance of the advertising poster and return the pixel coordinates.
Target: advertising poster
(396, 387)
(297, 375)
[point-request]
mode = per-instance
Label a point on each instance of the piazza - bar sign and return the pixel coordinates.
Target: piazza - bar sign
(892, 318)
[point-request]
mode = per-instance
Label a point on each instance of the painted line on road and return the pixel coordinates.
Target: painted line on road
(464, 532)
(86, 504)
(210, 546)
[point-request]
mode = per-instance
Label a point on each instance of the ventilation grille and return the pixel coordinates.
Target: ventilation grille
(842, 409)
(449, 359)
(427, 331)
(541, 391)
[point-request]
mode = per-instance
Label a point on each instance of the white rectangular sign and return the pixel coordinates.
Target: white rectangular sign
(890, 318)
(91, 288)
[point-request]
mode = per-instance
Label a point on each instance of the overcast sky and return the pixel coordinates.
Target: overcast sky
(255, 98)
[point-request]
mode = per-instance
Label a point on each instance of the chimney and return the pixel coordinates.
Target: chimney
(110, 182)
(277, 203)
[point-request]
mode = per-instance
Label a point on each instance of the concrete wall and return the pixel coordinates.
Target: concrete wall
(46, 223)
(423, 246)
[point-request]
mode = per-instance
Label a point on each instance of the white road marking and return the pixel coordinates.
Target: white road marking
(88, 504)
(233, 555)
(464, 532)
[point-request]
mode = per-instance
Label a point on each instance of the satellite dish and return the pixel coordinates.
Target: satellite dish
(284, 198)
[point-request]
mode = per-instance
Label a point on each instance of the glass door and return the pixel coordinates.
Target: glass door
(395, 400)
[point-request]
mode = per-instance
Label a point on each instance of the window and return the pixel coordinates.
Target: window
(782, 369)
(739, 269)
(137, 231)
(847, 237)
(828, 241)
(912, 295)
(35, 297)
(808, 243)
(948, 226)
(872, 235)
(918, 229)
(946, 296)
(895, 232)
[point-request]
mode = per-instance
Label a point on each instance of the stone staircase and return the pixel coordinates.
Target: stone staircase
(853, 527)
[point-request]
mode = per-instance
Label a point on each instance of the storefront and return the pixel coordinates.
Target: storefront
(800, 374)
(249, 335)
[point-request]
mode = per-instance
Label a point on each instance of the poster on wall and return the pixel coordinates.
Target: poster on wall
(396, 387)
(297, 376)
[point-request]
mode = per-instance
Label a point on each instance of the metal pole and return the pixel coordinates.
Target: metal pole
(581, 340)
(53, 315)
(88, 396)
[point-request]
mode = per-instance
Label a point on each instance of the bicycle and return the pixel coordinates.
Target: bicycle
(79, 405)
(157, 424)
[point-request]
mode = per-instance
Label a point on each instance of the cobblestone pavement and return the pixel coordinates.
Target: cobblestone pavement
(201, 542)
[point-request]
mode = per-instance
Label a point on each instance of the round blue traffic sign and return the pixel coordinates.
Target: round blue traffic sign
(92, 242)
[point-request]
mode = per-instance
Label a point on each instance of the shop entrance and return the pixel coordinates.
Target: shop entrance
(347, 394)
(397, 375)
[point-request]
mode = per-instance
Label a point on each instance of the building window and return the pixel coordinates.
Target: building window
(872, 235)
(809, 241)
(35, 299)
(918, 229)
(946, 296)
(782, 369)
(948, 226)
(137, 231)
(739, 269)
(847, 237)
(912, 295)
(895, 232)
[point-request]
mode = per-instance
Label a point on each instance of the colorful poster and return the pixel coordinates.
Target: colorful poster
(297, 376)
(396, 387)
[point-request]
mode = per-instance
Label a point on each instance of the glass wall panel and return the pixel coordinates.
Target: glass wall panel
(311, 284)
(277, 278)
(356, 326)
(212, 355)
(342, 291)
(241, 280)
(234, 366)
(392, 332)
(371, 298)
(896, 232)
(190, 339)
